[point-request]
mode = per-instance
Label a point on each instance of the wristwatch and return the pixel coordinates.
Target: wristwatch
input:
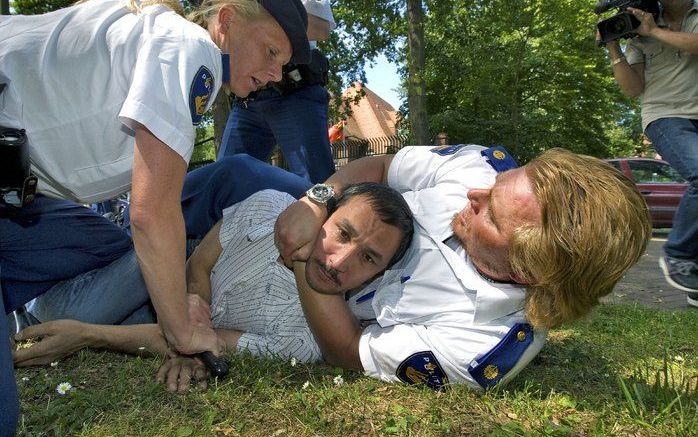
(322, 194)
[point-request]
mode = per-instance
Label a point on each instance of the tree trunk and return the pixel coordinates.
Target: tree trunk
(221, 109)
(416, 88)
(4, 7)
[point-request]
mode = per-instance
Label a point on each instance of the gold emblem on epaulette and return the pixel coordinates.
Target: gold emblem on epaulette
(491, 371)
(521, 335)
(498, 154)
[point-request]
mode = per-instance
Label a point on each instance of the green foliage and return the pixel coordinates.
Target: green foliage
(525, 74)
(31, 7)
(365, 29)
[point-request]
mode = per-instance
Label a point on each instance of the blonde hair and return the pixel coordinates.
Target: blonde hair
(249, 9)
(137, 5)
(595, 226)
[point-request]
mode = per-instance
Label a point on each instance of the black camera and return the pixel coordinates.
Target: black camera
(624, 23)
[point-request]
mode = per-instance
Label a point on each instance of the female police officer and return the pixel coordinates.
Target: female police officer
(109, 95)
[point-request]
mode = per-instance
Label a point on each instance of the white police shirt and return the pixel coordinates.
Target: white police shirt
(433, 318)
(81, 78)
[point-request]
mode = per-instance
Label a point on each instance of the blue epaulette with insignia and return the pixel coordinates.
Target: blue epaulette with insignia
(496, 363)
(499, 158)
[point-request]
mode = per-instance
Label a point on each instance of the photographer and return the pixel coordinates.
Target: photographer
(660, 66)
(291, 113)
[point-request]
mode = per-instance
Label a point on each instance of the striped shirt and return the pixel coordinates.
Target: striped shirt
(252, 291)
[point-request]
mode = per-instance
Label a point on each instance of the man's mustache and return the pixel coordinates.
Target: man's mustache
(329, 271)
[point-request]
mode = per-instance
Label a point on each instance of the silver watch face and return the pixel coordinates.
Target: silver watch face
(320, 193)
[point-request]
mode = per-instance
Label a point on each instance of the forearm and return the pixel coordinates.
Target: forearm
(157, 227)
(229, 338)
(334, 326)
(199, 282)
(160, 248)
(201, 262)
(130, 339)
(685, 41)
(366, 169)
(629, 80)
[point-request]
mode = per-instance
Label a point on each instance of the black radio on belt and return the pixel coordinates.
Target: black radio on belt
(17, 183)
(302, 75)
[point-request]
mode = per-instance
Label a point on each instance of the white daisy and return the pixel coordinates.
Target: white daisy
(54, 364)
(338, 380)
(293, 361)
(63, 388)
(306, 384)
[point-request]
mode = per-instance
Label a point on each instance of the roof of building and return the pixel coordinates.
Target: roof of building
(372, 117)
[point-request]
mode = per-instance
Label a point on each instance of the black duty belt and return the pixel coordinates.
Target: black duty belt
(296, 77)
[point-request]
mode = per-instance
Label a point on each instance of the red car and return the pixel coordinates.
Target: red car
(660, 185)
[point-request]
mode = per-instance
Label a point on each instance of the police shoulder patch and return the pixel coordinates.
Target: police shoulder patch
(499, 158)
(200, 93)
(423, 368)
(447, 150)
(491, 367)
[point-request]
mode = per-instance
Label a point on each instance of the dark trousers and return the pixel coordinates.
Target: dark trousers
(297, 122)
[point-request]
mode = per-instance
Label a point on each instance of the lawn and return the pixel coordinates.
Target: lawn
(625, 370)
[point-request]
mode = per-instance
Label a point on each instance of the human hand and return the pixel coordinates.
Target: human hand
(647, 23)
(199, 339)
(58, 339)
(199, 311)
(178, 373)
(296, 228)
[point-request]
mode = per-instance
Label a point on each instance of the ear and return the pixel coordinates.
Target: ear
(226, 15)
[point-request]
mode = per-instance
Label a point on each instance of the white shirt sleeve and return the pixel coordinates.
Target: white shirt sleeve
(417, 167)
(320, 9)
(385, 352)
(435, 182)
(167, 72)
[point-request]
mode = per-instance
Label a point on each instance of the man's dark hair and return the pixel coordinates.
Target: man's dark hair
(389, 206)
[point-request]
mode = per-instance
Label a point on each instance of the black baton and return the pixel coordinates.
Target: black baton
(218, 366)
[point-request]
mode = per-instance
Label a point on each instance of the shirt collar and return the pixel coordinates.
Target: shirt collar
(225, 60)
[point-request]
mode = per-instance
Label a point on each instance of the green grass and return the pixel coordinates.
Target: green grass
(623, 371)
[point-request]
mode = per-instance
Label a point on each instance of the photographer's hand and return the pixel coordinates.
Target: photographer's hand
(647, 23)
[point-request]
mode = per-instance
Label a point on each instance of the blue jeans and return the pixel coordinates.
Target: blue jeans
(676, 139)
(49, 241)
(296, 121)
(111, 295)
